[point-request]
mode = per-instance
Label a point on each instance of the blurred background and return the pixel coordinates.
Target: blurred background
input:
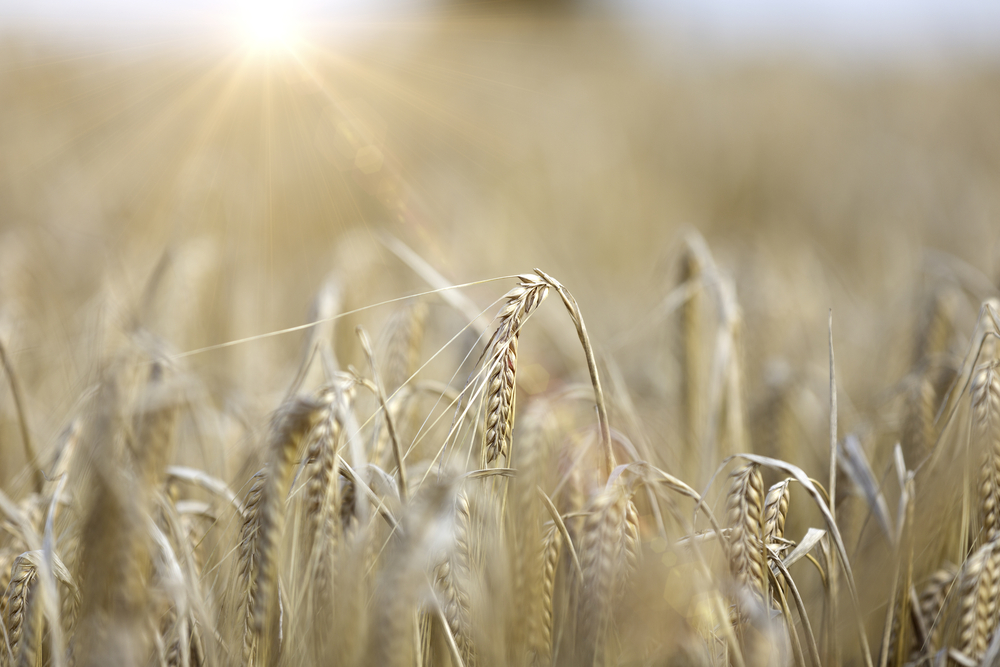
(202, 168)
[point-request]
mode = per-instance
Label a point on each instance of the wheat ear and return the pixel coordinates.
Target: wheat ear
(452, 577)
(501, 362)
(985, 391)
(931, 603)
(23, 577)
(323, 491)
(918, 421)
(248, 563)
(608, 549)
(775, 511)
(978, 600)
(541, 624)
(404, 334)
(743, 518)
(264, 522)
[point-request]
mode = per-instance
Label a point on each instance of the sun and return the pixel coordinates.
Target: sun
(268, 30)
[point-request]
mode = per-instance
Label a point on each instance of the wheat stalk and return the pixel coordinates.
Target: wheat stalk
(692, 380)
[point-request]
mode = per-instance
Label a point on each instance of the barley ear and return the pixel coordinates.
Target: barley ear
(977, 601)
(501, 364)
(743, 518)
(264, 523)
(985, 392)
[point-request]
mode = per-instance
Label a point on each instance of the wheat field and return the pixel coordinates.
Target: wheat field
(496, 339)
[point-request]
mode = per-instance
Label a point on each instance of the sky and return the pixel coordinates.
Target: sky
(868, 26)
(862, 27)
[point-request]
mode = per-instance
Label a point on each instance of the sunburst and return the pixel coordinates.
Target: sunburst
(268, 29)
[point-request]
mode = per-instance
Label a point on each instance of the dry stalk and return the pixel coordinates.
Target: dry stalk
(692, 372)
(607, 453)
(834, 588)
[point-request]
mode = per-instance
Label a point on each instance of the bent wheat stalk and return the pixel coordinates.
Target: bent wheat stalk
(595, 378)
